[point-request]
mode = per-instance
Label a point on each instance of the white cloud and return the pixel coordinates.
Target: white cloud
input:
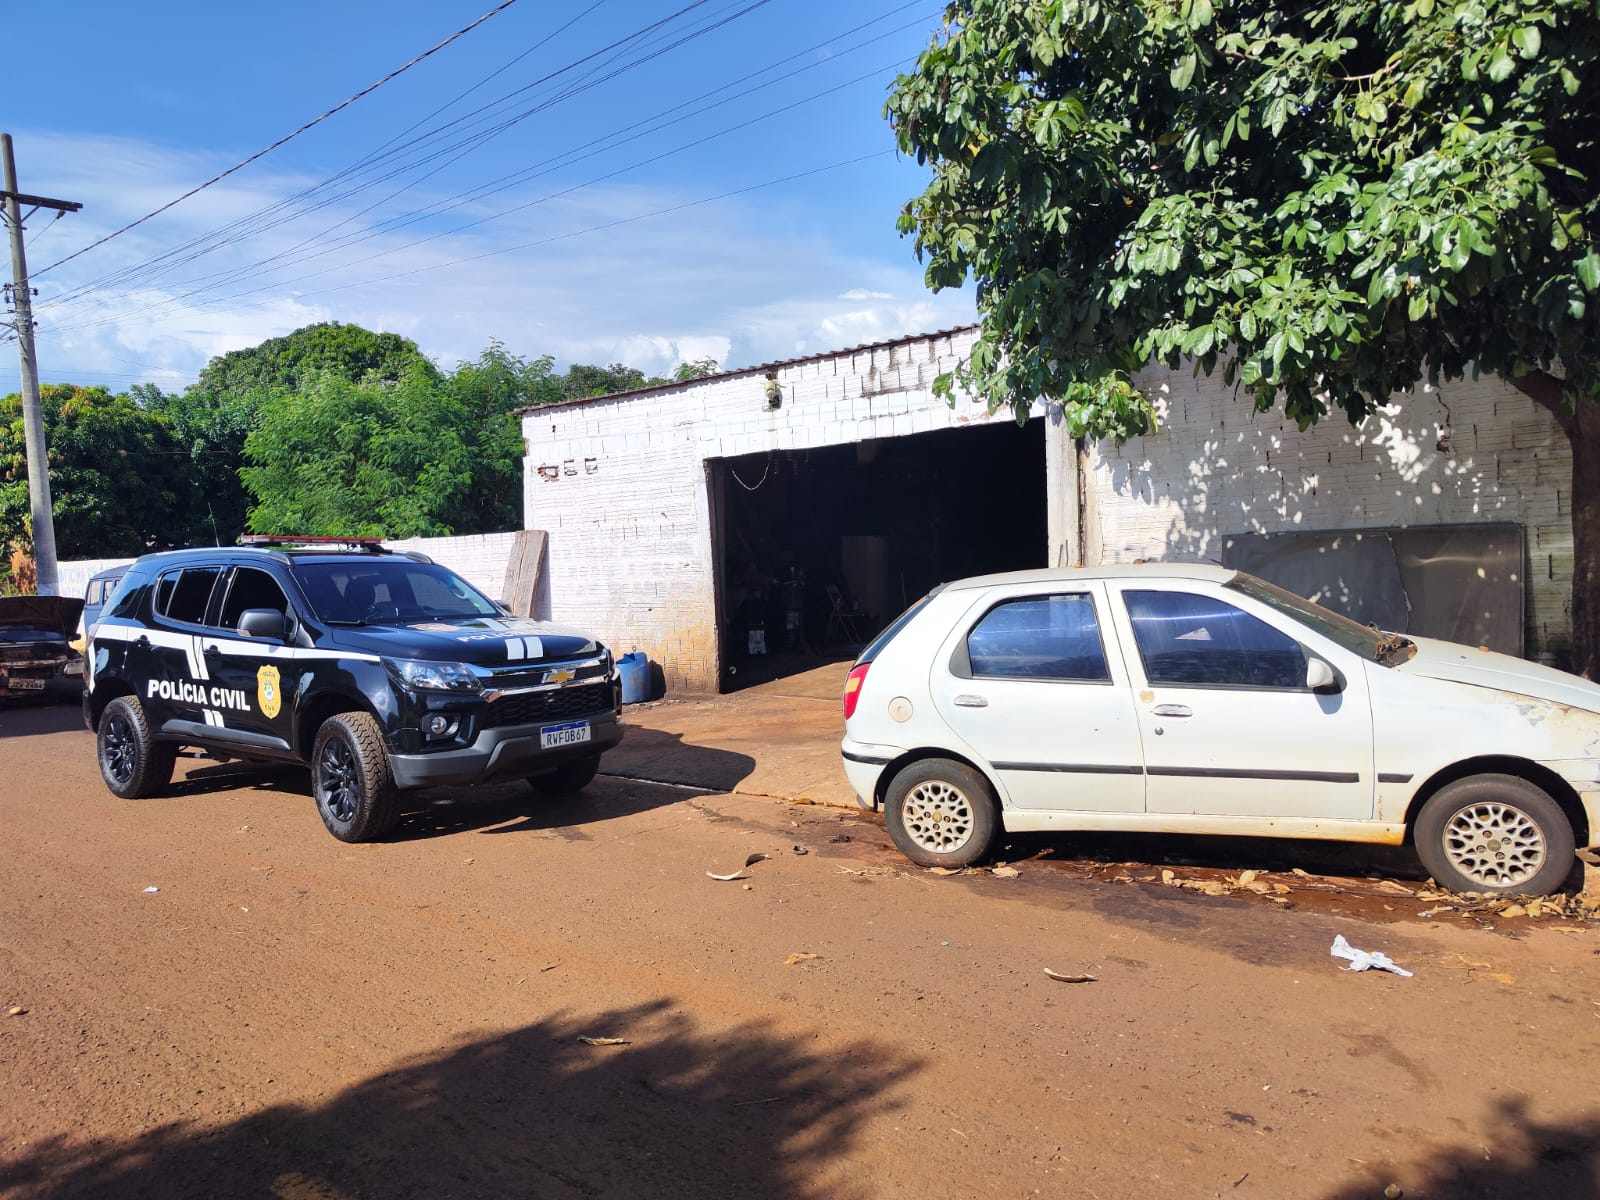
(588, 277)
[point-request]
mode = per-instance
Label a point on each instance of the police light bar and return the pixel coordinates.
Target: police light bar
(282, 539)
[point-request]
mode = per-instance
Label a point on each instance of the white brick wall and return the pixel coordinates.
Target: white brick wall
(620, 484)
(1216, 467)
(627, 508)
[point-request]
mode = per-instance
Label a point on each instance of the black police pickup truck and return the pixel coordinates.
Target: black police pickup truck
(381, 671)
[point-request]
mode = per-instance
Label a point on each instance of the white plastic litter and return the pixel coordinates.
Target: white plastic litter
(1365, 960)
(151, 890)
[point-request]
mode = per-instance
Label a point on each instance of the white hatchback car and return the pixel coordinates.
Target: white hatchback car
(1183, 698)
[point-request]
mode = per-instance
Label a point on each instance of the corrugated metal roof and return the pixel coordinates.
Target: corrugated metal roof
(758, 369)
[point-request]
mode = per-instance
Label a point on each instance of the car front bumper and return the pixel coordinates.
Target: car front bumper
(506, 753)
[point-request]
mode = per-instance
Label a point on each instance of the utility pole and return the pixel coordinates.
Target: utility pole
(44, 526)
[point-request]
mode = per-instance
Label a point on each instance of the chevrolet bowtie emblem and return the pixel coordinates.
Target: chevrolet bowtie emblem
(562, 675)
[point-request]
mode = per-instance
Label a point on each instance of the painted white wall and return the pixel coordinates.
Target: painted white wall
(479, 558)
(1468, 451)
(620, 483)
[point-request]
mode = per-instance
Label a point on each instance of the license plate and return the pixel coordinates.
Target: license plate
(570, 734)
(25, 685)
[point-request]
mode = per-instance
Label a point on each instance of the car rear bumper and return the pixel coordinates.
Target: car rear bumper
(864, 763)
(507, 753)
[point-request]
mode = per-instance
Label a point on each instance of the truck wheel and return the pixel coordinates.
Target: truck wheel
(352, 780)
(940, 813)
(1496, 834)
(133, 764)
(568, 777)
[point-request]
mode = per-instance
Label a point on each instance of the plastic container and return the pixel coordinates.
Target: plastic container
(635, 668)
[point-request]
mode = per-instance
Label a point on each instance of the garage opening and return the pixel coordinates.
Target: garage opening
(817, 550)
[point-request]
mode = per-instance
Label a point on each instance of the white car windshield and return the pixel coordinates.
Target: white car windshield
(1371, 644)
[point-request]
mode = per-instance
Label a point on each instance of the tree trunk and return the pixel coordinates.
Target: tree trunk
(1582, 425)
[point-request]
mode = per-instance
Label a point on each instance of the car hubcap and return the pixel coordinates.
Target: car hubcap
(1495, 845)
(120, 750)
(938, 816)
(336, 779)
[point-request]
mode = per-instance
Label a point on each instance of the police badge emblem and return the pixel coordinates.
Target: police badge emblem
(267, 693)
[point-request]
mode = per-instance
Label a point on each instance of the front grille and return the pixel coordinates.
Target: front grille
(535, 708)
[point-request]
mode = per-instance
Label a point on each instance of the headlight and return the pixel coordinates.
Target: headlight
(435, 676)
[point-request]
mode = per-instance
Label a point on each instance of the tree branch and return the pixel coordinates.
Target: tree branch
(1544, 390)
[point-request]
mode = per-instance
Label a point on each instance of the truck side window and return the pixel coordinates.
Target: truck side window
(251, 588)
(184, 595)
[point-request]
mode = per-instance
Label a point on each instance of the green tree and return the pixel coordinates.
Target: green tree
(348, 351)
(583, 380)
(119, 480)
(212, 418)
(338, 458)
(491, 391)
(1327, 202)
(700, 368)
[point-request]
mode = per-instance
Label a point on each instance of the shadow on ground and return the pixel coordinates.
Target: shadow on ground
(1525, 1158)
(678, 1112)
(18, 718)
(1229, 854)
(661, 757)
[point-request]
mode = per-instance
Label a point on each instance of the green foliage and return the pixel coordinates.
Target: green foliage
(347, 351)
(583, 380)
(331, 430)
(119, 479)
(359, 459)
(700, 368)
(1326, 202)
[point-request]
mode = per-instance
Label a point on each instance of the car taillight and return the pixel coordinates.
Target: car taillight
(852, 689)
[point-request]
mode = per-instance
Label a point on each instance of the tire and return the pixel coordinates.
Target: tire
(352, 780)
(941, 813)
(1495, 834)
(568, 777)
(133, 764)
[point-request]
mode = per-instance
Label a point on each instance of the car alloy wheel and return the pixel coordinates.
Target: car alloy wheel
(938, 816)
(120, 748)
(1496, 845)
(337, 779)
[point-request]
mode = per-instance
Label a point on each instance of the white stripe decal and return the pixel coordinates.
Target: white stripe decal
(197, 660)
(187, 643)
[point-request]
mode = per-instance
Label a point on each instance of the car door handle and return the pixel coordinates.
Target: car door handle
(142, 642)
(967, 700)
(1172, 710)
(213, 650)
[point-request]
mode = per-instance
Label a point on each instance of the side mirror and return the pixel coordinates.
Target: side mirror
(265, 623)
(1320, 677)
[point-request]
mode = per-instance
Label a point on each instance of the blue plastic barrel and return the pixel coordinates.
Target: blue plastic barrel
(635, 670)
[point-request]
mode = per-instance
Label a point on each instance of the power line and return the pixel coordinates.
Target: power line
(288, 137)
(228, 234)
(647, 128)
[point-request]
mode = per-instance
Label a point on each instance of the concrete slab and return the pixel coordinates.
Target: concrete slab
(776, 739)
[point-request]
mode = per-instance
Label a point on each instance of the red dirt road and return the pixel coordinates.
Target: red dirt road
(291, 1017)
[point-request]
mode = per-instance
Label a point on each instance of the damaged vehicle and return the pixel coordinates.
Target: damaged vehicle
(382, 672)
(1193, 699)
(37, 661)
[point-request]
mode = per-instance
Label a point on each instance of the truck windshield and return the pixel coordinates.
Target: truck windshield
(389, 592)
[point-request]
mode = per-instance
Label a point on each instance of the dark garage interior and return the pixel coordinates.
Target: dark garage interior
(817, 550)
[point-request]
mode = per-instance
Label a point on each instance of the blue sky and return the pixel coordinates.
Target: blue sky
(564, 179)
